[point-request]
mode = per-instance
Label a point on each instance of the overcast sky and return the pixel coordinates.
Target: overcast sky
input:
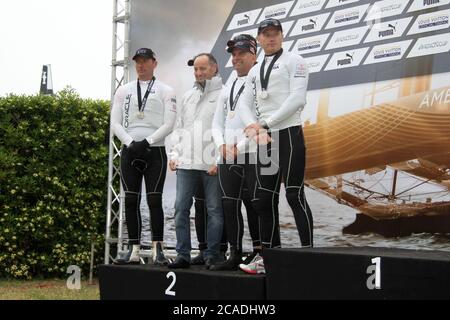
(74, 36)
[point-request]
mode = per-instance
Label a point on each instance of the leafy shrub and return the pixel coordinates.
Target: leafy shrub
(53, 183)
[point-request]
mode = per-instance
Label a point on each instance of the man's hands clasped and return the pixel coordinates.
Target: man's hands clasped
(257, 132)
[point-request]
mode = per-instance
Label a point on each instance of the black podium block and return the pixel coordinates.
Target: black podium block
(357, 273)
(148, 282)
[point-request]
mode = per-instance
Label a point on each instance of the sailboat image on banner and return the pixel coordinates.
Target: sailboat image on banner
(389, 161)
(46, 80)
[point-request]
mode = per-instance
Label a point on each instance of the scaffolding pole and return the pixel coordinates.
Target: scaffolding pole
(119, 76)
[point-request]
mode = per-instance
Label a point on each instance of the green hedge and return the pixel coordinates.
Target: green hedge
(53, 183)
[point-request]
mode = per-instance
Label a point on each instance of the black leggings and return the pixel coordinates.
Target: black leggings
(152, 167)
(201, 221)
(283, 159)
(237, 183)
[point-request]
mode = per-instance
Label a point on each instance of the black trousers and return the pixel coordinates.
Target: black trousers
(238, 184)
(283, 159)
(151, 166)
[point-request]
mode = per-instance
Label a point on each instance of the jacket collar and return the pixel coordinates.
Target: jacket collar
(211, 85)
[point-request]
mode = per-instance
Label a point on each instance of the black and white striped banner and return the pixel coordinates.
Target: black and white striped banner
(349, 42)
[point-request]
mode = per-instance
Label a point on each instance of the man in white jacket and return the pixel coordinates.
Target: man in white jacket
(193, 156)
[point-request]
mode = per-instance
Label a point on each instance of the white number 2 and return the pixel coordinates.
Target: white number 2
(169, 291)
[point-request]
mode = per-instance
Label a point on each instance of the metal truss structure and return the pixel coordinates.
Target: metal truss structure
(119, 76)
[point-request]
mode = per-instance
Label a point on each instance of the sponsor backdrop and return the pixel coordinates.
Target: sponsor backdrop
(351, 42)
(360, 54)
(350, 46)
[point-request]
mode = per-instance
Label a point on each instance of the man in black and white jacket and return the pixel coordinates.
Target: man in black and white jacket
(142, 116)
(275, 91)
(237, 156)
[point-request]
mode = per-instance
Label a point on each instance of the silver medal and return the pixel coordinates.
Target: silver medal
(231, 114)
(263, 95)
(141, 115)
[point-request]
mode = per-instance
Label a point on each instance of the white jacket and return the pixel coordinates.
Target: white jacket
(287, 93)
(160, 113)
(193, 145)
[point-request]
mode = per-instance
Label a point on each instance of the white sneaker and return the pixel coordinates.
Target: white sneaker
(135, 253)
(254, 267)
(132, 256)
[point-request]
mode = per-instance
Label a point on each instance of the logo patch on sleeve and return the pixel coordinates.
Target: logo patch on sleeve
(300, 71)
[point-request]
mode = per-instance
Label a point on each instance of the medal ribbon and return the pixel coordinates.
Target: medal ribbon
(265, 78)
(233, 102)
(143, 102)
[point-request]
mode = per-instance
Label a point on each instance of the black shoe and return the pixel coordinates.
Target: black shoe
(158, 256)
(130, 258)
(250, 258)
(209, 262)
(230, 265)
(198, 260)
(179, 263)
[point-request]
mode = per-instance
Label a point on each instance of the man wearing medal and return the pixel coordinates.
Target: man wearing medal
(142, 116)
(275, 90)
(236, 169)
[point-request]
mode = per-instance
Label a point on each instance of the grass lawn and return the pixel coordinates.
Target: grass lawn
(46, 290)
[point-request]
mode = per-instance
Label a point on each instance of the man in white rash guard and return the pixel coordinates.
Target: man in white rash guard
(275, 90)
(238, 155)
(143, 114)
(193, 156)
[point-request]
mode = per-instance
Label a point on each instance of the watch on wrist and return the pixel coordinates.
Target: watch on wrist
(263, 124)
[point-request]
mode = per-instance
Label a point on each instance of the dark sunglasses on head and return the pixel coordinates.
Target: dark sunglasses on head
(240, 38)
(243, 37)
(242, 43)
(269, 22)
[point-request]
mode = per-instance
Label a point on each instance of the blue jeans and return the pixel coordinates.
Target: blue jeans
(187, 181)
